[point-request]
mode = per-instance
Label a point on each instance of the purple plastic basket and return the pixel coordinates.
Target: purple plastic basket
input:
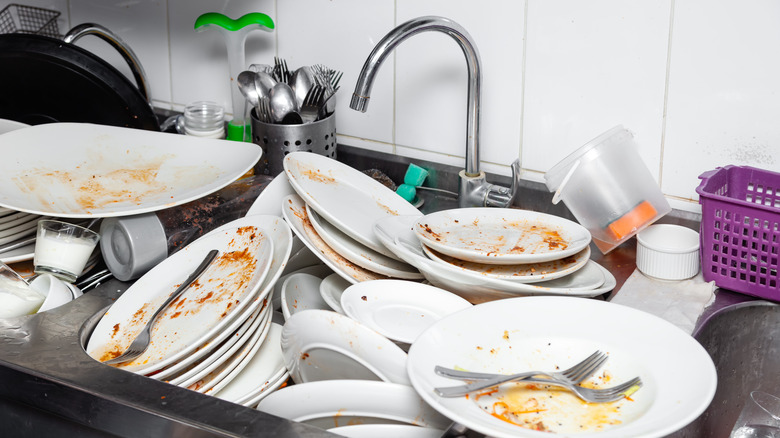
(740, 229)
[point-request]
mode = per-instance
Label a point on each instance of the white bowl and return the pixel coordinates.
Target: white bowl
(668, 252)
(55, 290)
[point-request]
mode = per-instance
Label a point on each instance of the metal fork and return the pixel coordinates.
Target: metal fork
(600, 395)
(263, 110)
(573, 376)
(142, 340)
(281, 72)
(310, 109)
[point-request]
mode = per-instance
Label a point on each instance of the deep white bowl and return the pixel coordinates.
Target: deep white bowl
(668, 252)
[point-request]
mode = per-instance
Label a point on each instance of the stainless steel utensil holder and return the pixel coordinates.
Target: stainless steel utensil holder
(279, 140)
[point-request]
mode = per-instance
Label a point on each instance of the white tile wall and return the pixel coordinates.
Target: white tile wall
(697, 81)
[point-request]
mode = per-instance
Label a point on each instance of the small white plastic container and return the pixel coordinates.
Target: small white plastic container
(608, 188)
(668, 252)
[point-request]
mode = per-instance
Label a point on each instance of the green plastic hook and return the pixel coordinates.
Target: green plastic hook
(217, 19)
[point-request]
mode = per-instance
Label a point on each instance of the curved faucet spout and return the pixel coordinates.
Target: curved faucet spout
(365, 81)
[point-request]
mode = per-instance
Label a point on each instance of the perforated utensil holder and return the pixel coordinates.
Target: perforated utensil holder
(740, 229)
(279, 140)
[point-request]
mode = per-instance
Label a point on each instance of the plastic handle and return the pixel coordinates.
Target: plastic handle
(217, 19)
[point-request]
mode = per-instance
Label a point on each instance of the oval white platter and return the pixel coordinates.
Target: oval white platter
(325, 345)
(345, 197)
(522, 273)
(335, 401)
(398, 309)
(294, 211)
(89, 170)
(501, 235)
(205, 308)
(358, 253)
(517, 334)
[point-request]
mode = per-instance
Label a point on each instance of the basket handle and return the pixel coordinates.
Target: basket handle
(132, 60)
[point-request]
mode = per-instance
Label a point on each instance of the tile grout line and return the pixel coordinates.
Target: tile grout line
(666, 95)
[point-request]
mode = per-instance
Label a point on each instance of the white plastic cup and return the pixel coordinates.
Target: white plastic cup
(62, 249)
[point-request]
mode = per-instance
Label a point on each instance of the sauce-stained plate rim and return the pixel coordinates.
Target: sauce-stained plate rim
(358, 253)
(171, 271)
(400, 228)
(78, 144)
(293, 205)
(340, 199)
(577, 236)
(679, 387)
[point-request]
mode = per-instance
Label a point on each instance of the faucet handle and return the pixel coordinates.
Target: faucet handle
(500, 196)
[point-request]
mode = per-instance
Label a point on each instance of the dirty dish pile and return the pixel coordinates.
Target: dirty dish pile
(333, 211)
(216, 330)
(560, 265)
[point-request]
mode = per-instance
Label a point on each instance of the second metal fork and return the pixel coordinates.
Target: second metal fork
(573, 376)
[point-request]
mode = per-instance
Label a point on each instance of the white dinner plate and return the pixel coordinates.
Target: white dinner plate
(294, 211)
(226, 349)
(269, 201)
(589, 281)
(347, 198)
(22, 228)
(227, 287)
(333, 403)
(358, 253)
(386, 431)
(398, 309)
(501, 235)
(264, 369)
(523, 273)
(20, 254)
(280, 233)
(301, 292)
(325, 345)
(13, 217)
(268, 390)
(548, 333)
(90, 170)
(331, 289)
(231, 367)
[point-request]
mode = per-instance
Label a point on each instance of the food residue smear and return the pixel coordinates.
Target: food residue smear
(550, 409)
(217, 291)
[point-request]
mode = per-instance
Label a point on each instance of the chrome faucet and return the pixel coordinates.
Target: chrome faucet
(473, 190)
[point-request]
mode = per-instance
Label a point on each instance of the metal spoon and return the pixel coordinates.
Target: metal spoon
(246, 84)
(264, 82)
(282, 102)
(302, 81)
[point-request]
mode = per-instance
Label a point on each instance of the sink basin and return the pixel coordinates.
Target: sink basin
(743, 340)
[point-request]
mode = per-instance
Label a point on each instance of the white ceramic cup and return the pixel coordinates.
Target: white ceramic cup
(63, 249)
(55, 290)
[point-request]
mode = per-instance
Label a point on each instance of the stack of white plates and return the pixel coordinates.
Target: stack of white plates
(333, 212)
(220, 329)
(483, 254)
(17, 227)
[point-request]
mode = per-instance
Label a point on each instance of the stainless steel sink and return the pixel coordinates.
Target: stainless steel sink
(743, 339)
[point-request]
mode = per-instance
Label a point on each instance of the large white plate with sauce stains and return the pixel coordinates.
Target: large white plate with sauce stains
(501, 235)
(333, 403)
(396, 232)
(548, 333)
(345, 197)
(294, 212)
(224, 290)
(85, 170)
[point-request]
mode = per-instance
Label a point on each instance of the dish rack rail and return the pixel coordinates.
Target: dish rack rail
(740, 229)
(16, 18)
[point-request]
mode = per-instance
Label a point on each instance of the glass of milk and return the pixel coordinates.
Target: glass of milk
(62, 249)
